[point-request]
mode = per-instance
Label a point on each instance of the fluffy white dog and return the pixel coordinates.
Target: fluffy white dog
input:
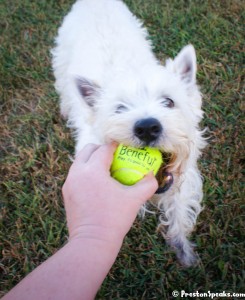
(113, 88)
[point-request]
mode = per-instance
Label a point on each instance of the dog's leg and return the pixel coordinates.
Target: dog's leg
(181, 206)
(85, 136)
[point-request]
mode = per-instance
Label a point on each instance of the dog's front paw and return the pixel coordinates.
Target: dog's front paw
(184, 252)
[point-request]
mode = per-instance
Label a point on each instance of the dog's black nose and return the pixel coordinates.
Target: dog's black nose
(148, 130)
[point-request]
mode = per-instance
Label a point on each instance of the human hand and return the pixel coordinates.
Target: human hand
(97, 206)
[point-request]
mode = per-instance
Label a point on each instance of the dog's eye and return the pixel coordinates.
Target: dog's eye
(168, 102)
(120, 109)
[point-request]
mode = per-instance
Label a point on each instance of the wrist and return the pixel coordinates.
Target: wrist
(97, 234)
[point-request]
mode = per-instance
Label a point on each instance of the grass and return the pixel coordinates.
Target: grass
(35, 147)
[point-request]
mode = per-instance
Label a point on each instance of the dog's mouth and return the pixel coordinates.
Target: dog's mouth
(165, 182)
(164, 177)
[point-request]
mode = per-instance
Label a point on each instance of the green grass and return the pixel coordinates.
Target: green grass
(35, 148)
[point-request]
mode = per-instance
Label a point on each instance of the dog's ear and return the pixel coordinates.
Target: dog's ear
(185, 64)
(88, 90)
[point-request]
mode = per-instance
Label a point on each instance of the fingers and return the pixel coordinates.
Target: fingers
(84, 155)
(145, 188)
(103, 156)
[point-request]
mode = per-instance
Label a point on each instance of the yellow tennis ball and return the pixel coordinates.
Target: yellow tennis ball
(131, 164)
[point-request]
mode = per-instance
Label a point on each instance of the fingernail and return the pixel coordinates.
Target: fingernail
(150, 174)
(114, 144)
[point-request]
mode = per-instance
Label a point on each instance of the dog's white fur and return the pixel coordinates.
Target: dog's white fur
(108, 78)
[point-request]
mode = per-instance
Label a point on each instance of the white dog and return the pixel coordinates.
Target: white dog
(112, 88)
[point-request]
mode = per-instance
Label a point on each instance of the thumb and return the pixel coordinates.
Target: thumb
(145, 188)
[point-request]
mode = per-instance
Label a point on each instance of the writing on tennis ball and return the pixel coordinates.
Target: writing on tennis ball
(131, 164)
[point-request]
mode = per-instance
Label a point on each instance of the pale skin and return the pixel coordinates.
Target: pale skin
(99, 212)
